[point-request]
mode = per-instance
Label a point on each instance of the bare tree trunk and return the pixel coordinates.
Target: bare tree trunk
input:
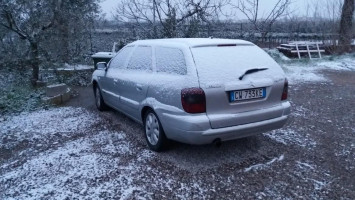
(346, 22)
(34, 62)
(63, 26)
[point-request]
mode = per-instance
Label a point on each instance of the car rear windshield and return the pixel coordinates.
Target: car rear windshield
(227, 63)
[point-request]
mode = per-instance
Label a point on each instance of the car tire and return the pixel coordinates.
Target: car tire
(99, 101)
(153, 131)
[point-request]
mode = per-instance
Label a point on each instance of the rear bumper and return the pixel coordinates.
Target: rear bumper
(196, 129)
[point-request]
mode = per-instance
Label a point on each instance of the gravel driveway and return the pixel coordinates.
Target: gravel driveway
(77, 152)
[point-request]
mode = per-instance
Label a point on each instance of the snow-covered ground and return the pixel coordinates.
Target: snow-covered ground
(76, 168)
(263, 165)
(291, 136)
(305, 71)
(72, 153)
(34, 126)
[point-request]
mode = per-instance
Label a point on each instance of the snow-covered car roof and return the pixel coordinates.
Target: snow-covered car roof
(192, 42)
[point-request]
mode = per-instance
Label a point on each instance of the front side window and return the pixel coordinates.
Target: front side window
(170, 60)
(119, 61)
(141, 59)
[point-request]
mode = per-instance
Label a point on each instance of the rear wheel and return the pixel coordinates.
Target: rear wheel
(154, 132)
(99, 101)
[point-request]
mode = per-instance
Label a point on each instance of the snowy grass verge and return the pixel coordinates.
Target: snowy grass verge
(68, 67)
(310, 70)
(305, 70)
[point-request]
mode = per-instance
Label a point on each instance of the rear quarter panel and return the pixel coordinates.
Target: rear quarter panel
(164, 92)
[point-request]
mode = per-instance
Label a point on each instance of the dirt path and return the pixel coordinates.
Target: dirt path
(84, 97)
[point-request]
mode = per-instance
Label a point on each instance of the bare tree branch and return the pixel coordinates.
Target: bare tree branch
(263, 24)
(11, 24)
(170, 13)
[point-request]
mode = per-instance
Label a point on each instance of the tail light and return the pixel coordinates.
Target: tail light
(285, 91)
(193, 100)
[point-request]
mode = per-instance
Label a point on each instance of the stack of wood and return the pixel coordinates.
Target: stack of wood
(302, 48)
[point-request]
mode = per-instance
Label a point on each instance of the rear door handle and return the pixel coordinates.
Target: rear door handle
(115, 81)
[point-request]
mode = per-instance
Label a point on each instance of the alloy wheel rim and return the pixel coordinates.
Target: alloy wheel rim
(152, 129)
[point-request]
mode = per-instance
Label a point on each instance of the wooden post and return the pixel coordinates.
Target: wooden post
(320, 56)
(309, 53)
(298, 51)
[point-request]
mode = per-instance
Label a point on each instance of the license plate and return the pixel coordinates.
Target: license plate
(240, 95)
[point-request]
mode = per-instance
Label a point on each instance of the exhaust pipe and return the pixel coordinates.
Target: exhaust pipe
(217, 142)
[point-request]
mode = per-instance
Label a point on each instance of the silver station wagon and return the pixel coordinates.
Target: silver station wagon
(194, 91)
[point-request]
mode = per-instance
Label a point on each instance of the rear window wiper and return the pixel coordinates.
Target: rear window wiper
(250, 71)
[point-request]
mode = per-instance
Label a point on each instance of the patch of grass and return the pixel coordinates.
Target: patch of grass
(20, 98)
(17, 94)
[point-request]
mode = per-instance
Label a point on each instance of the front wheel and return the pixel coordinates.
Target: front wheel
(154, 132)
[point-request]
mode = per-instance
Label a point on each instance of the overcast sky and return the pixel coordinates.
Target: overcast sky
(298, 6)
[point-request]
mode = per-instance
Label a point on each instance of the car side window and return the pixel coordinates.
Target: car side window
(141, 59)
(170, 60)
(120, 59)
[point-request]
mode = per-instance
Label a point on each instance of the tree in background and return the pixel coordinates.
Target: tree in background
(346, 23)
(163, 18)
(73, 30)
(29, 20)
(319, 18)
(49, 27)
(191, 27)
(262, 23)
(11, 45)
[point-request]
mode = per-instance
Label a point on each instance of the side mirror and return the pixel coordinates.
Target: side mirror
(101, 66)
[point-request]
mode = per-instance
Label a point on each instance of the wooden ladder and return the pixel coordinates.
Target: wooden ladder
(308, 51)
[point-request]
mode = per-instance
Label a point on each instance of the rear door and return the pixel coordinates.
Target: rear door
(231, 98)
(135, 80)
